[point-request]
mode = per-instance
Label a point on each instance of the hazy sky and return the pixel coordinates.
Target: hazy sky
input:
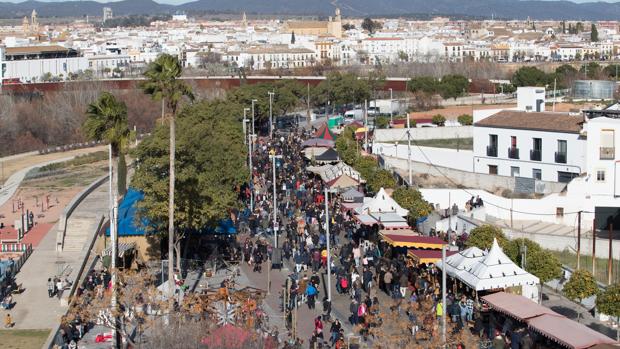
(184, 1)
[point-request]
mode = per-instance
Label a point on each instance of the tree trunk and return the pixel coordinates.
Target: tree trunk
(171, 285)
(114, 238)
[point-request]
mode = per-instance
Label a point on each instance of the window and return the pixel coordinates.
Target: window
(561, 154)
(514, 171)
(600, 176)
(513, 141)
(559, 212)
(607, 150)
(492, 147)
(536, 153)
(537, 173)
(493, 169)
(565, 177)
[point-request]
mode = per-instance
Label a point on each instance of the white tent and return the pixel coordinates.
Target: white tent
(331, 172)
(462, 261)
(496, 270)
(381, 203)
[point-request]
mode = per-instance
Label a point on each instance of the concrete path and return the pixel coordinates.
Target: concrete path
(34, 309)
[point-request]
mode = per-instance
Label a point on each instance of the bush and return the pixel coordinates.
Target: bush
(381, 179)
(465, 119)
(439, 120)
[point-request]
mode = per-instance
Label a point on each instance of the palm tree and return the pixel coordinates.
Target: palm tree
(106, 120)
(162, 84)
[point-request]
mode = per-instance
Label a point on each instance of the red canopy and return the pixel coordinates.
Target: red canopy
(545, 321)
(431, 242)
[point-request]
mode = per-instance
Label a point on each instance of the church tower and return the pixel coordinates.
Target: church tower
(25, 25)
(334, 26)
(34, 22)
(245, 21)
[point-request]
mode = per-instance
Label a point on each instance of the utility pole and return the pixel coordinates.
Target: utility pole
(449, 212)
(273, 157)
(594, 247)
(555, 81)
(271, 114)
(391, 106)
(113, 207)
(443, 293)
(578, 239)
(251, 172)
(609, 264)
(410, 178)
(366, 125)
(253, 128)
(329, 254)
(309, 112)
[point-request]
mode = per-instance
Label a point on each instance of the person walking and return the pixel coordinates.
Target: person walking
(50, 288)
(8, 321)
(311, 292)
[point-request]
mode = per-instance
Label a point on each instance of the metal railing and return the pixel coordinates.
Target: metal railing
(492, 151)
(535, 155)
(513, 152)
(560, 158)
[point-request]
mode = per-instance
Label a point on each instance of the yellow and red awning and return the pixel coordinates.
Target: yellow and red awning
(419, 242)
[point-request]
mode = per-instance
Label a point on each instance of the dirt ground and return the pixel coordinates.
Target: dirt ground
(46, 197)
(10, 165)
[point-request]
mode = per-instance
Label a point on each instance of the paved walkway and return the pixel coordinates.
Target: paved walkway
(34, 309)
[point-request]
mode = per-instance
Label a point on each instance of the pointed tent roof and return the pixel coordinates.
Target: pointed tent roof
(496, 270)
(325, 133)
(463, 261)
(382, 203)
(343, 182)
(330, 155)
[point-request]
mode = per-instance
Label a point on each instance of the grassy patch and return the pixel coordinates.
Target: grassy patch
(23, 339)
(77, 161)
(569, 258)
(448, 143)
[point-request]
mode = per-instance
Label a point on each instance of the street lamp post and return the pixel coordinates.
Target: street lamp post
(391, 106)
(253, 129)
(271, 94)
(251, 169)
(329, 254)
(409, 152)
(245, 127)
(273, 157)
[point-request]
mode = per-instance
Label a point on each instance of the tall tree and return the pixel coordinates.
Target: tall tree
(593, 33)
(162, 82)
(211, 162)
(106, 120)
(293, 38)
(482, 237)
(370, 26)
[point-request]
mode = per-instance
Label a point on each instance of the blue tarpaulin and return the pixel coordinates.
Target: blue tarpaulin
(127, 225)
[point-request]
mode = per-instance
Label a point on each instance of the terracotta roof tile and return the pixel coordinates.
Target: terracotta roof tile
(537, 121)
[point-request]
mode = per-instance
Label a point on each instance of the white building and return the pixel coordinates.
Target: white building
(540, 145)
(33, 63)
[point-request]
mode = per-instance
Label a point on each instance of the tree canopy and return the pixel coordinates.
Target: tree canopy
(412, 200)
(370, 26)
(580, 286)
(342, 88)
(593, 33)
(381, 179)
(287, 95)
(210, 161)
(608, 302)
(450, 86)
(106, 120)
(482, 237)
(531, 76)
(465, 119)
(538, 261)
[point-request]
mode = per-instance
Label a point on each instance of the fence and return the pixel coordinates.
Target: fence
(25, 249)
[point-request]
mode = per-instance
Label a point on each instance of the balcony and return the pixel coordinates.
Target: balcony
(492, 151)
(513, 152)
(535, 155)
(608, 153)
(560, 158)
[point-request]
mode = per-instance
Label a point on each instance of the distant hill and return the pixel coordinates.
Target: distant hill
(509, 9)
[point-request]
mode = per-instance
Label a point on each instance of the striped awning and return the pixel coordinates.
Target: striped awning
(123, 247)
